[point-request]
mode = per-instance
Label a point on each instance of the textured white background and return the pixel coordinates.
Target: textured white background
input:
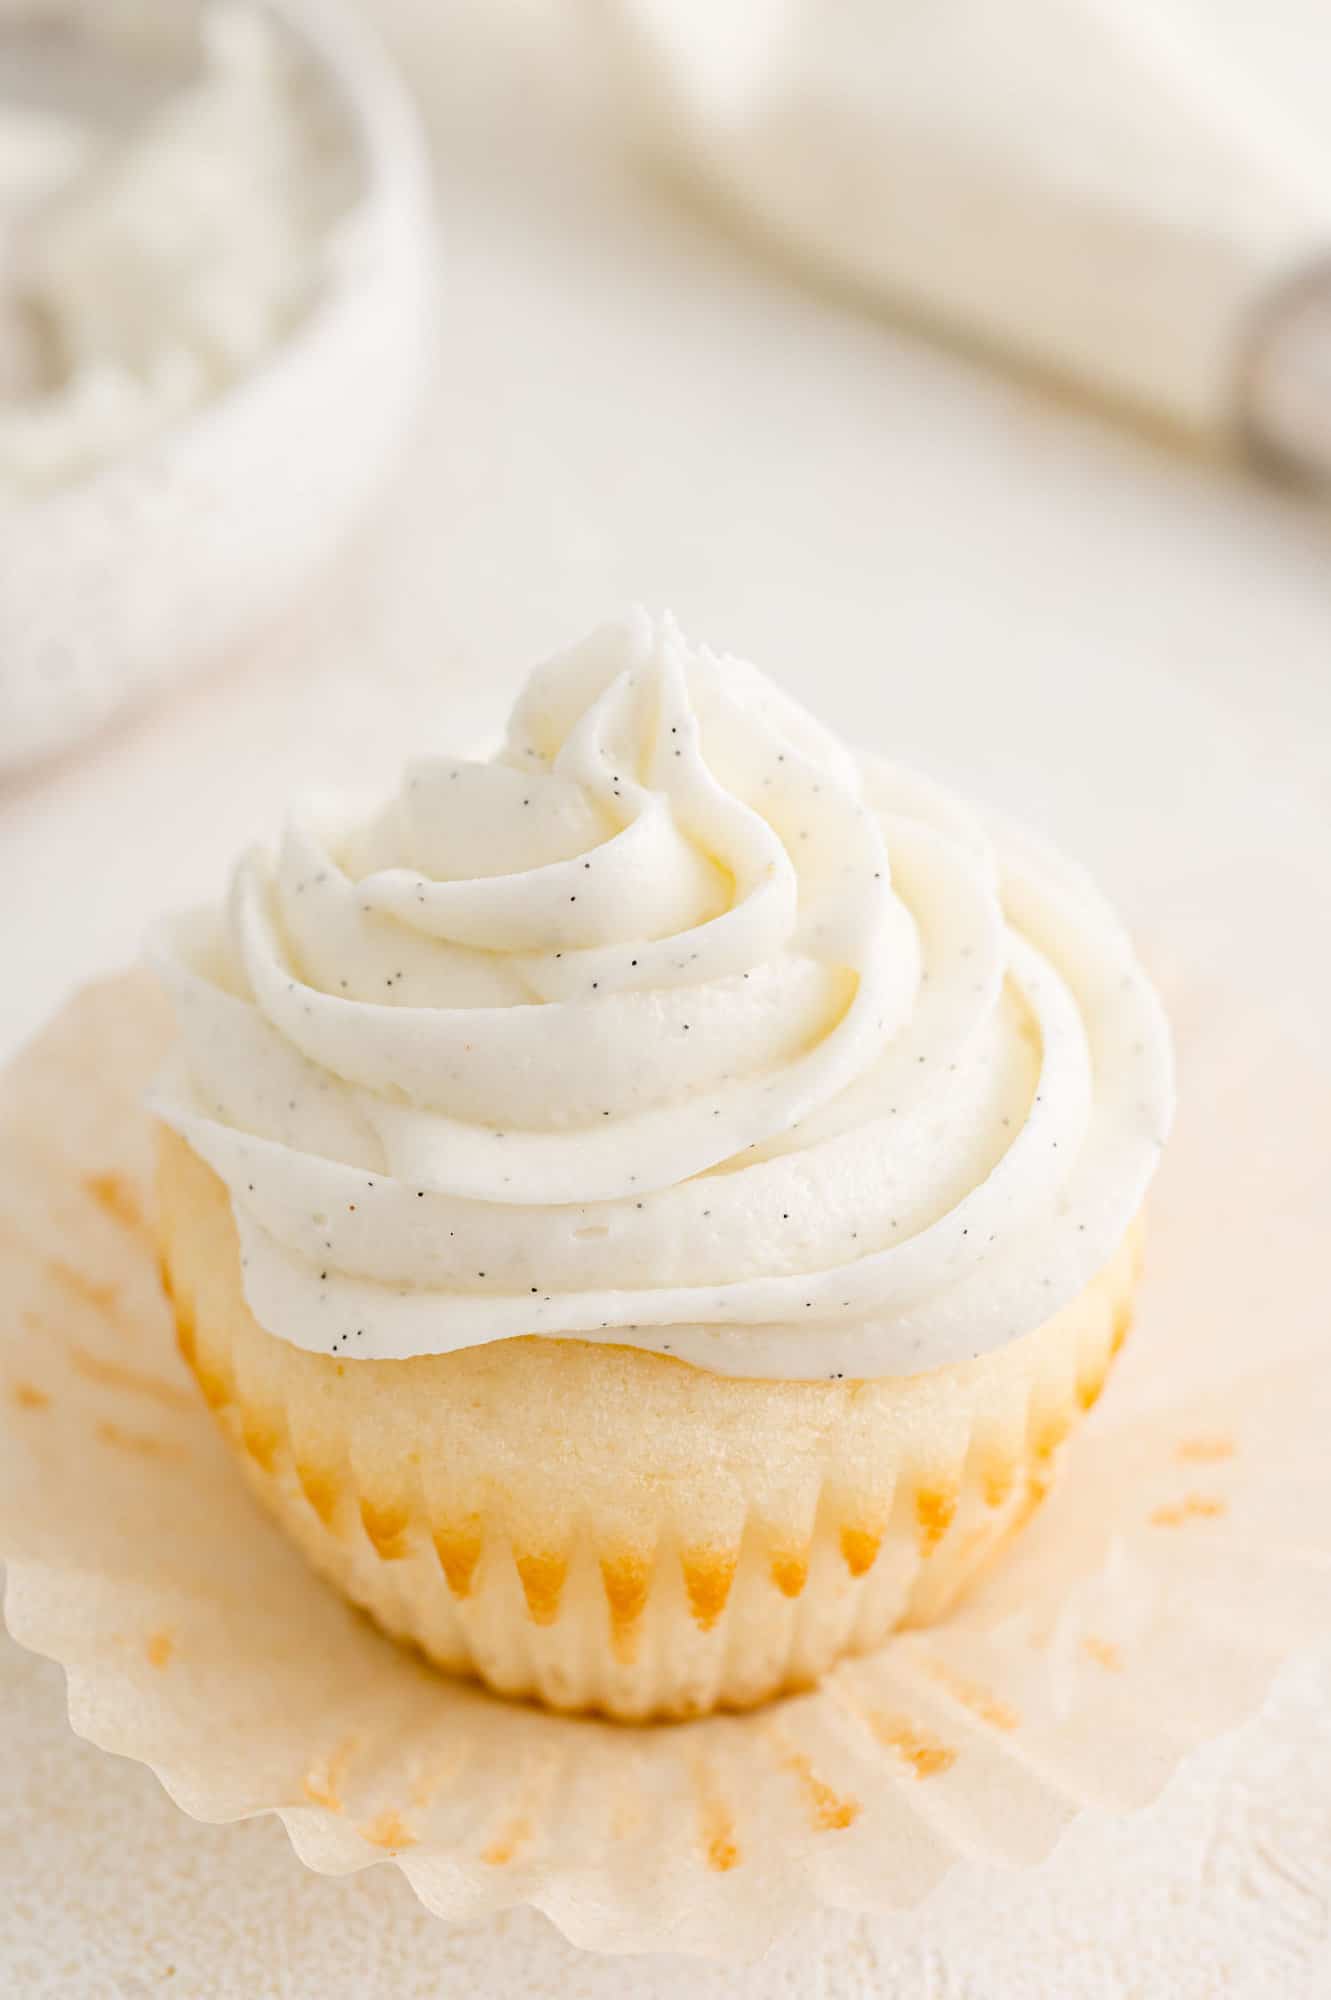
(1051, 613)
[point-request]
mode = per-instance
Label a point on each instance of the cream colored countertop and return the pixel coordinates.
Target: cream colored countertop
(1050, 613)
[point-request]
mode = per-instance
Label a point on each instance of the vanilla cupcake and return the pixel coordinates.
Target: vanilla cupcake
(649, 1206)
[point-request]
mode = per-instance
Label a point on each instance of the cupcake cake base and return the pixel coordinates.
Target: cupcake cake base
(611, 1530)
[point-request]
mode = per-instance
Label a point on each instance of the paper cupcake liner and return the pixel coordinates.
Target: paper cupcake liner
(1186, 1553)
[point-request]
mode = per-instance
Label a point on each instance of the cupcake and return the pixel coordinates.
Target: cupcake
(648, 1206)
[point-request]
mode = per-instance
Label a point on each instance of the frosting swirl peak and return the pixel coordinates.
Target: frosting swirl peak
(674, 1024)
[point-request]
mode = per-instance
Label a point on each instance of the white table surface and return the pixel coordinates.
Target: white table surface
(1054, 614)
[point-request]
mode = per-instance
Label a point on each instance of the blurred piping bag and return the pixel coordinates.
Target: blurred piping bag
(1070, 182)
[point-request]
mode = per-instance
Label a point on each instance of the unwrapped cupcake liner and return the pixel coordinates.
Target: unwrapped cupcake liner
(1185, 1553)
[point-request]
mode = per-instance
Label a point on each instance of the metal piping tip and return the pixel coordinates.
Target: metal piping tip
(1285, 406)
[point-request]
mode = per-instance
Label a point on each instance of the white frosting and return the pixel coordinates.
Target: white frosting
(153, 270)
(672, 1024)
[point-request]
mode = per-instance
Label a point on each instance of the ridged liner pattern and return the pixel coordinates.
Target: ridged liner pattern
(1187, 1553)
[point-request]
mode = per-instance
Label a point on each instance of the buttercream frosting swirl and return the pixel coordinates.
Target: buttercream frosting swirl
(672, 1023)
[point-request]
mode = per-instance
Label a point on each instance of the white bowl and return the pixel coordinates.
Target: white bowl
(169, 554)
